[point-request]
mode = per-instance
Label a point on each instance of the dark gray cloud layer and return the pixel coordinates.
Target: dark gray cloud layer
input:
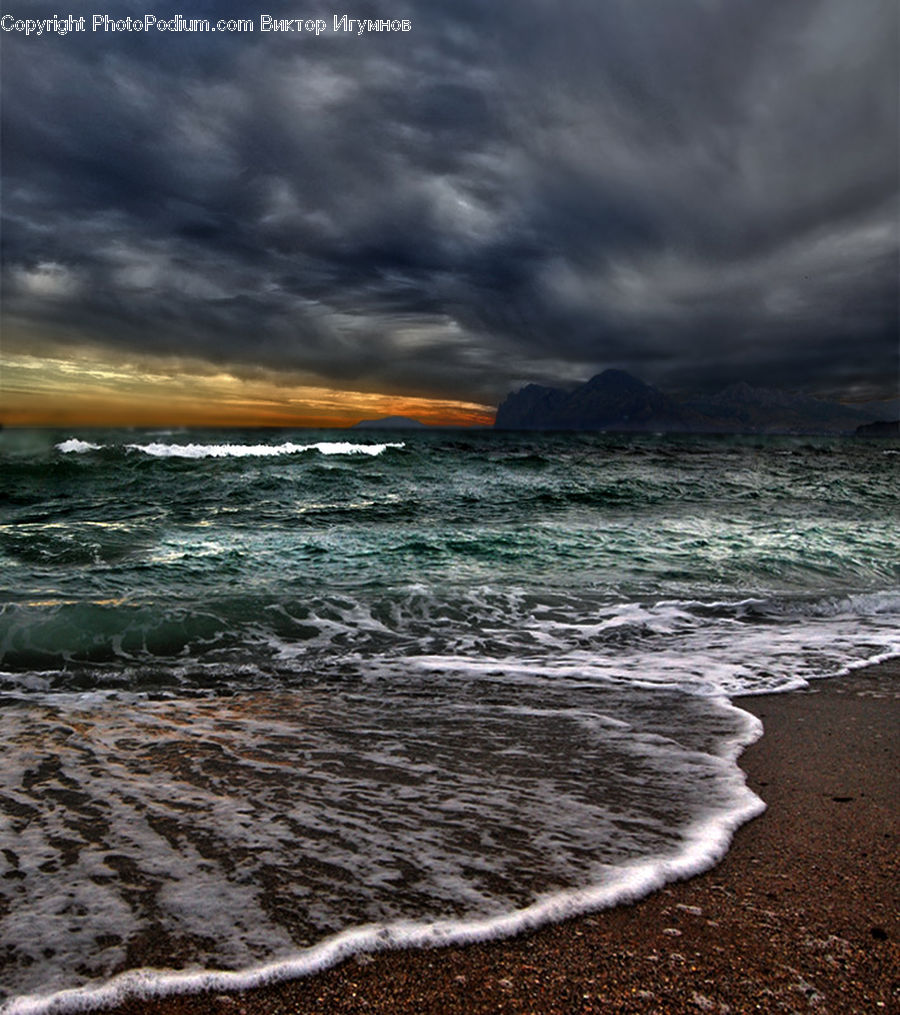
(699, 192)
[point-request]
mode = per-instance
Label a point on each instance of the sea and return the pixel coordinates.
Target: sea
(269, 698)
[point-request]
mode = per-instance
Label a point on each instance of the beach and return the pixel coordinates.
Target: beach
(298, 702)
(800, 916)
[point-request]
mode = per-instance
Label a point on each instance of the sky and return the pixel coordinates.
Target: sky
(287, 228)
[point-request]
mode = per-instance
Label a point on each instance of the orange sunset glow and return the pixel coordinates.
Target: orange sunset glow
(95, 389)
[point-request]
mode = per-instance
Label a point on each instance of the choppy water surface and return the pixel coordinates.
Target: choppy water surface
(258, 688)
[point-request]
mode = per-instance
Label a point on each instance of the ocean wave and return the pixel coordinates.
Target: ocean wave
(74, 446)
(452, 816)
(281, 709)
(159, 449)
(585, 745)
(705, 844)
(858, 604)
(228, 643)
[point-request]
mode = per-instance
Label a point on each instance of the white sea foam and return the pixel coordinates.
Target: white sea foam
(467, 741)
(75, 446)
(161, 450)
(419, 765)
(433, 786)
(705, 842)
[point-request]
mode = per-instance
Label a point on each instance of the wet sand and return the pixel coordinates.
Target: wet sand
(801, 916)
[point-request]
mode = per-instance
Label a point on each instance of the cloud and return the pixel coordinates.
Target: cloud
(698, 192)
(47, 280)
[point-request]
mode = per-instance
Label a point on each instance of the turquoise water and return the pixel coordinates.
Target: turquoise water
(260, 688)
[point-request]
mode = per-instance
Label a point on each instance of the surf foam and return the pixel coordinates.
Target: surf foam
(706, 841)
(159, 449)
(78, 447)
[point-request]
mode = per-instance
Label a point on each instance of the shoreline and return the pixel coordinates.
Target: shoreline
(801, 914)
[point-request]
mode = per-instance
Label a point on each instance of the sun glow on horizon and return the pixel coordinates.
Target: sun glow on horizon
(96, 389)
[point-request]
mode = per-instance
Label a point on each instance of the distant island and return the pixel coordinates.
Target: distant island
(390, 423)
(615, 400)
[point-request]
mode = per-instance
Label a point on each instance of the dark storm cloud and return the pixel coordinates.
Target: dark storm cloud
(699, 192)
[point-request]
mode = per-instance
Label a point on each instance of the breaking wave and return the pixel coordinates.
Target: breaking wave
(157, 449)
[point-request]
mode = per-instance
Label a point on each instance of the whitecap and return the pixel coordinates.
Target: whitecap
(158, 449)
(75, 446)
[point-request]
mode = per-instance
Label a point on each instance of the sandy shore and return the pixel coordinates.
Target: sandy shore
(801, 916)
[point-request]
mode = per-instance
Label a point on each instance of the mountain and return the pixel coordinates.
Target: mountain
(529, 408)
(612, 400)
(745, 409)
(389, 423)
